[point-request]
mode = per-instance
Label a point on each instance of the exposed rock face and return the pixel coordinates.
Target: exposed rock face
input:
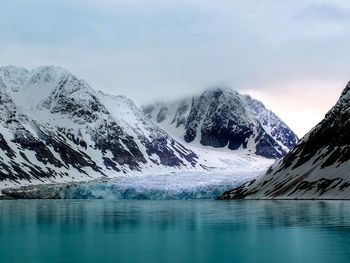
(56, 128)
(221, 117)
(317, 168)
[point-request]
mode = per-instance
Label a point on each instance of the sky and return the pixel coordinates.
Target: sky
(294, 56)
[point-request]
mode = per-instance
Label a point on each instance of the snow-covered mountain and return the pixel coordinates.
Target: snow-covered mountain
(317, 168)
(221, 117)
(56, 128)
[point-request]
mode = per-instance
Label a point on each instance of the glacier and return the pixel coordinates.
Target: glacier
(182, 185)
(208, 184)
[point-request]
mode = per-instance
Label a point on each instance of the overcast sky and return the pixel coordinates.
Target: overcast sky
(292, 55)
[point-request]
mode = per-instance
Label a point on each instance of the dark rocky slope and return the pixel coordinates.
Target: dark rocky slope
(317, 168)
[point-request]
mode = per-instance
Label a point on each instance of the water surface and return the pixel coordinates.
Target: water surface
(174, 231)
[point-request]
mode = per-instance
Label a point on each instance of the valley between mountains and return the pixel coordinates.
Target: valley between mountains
(60, 138)
(57, 130)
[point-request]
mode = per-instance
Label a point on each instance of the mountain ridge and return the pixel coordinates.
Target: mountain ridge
(56, 128)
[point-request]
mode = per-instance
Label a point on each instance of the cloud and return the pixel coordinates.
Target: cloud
(155, 49)
(324, 12)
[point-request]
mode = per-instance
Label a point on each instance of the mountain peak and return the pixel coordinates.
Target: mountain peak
(47, 74)
(220, 117)
(10, 68)
(345, 95)
(220, 89)
(17, 78)
(13, 78)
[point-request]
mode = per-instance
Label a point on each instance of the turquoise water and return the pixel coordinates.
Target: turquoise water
(174, 231)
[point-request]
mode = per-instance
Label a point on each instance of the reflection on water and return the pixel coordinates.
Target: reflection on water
(174, 231)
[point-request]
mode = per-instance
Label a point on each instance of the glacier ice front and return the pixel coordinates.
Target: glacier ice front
(182, 185)
(186, 185)
(224, 171)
